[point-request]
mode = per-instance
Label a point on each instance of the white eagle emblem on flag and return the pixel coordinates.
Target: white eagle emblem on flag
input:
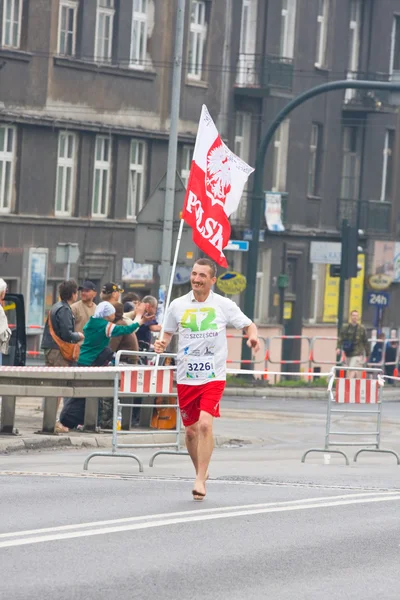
(218, 175)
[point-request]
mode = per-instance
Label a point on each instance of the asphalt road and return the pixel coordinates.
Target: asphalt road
(270, 528)
(72, 537)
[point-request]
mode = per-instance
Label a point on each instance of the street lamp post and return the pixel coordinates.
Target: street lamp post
(258, 187)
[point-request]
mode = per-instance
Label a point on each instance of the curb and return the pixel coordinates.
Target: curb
(290, 393)
(43, 442)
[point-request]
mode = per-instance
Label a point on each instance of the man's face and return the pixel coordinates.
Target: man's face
(354, 317)
(201, 279)
(88, 295)
(149, 309)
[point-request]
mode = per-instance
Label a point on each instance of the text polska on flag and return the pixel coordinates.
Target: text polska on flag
(216, 182)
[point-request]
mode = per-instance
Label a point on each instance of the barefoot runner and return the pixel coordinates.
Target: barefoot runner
(201, 317)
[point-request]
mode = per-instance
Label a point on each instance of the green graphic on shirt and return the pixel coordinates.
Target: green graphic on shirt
(190, 319)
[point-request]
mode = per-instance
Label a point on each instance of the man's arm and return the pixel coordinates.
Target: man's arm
(253, 342)
(162, 344)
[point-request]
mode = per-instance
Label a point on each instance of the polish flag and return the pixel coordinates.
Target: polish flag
(216, 182)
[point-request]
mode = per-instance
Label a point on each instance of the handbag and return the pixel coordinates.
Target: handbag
(5, 341)
(68, 351)
(348, 345)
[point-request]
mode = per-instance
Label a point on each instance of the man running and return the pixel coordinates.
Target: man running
(201, 317)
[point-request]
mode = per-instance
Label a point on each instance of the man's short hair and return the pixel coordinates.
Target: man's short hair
(207, 262)
(150, 300)
(67, 289)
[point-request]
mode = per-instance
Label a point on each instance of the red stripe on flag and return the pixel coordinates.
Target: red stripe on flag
(122, 381)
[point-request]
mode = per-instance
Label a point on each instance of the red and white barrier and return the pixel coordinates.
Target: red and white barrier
(357, 391)
(140, 382)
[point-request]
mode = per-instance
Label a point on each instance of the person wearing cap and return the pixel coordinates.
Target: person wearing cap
(85, 307)
(110, 292)
(98, 331)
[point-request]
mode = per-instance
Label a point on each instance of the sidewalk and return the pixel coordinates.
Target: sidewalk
(229, 430)
(29, 421)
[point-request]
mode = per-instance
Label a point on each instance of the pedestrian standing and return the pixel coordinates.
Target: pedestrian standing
(201, 318)
(353, 341)
(5, 331)
(59, 335)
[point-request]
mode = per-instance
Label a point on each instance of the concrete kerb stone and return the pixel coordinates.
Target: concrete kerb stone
(18, 444)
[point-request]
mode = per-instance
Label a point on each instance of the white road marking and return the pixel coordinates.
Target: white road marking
(180, 514)
(189, 517)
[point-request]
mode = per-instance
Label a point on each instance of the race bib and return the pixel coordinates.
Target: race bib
(198, 367)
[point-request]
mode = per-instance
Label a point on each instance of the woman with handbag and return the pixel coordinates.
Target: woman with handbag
(60, 340)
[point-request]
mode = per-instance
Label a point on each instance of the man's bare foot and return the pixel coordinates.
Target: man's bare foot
(199, 490)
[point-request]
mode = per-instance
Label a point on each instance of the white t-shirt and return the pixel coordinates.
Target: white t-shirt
(202, 344)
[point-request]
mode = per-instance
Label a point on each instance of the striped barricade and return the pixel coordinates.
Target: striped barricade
(356, 397)
(143, 383)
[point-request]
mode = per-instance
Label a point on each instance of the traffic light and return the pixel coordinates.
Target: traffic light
(349, 250)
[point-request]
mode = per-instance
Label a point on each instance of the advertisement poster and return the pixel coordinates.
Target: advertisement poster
(132, 271)
(273, 211)
(384, 257)
(396, 267)
(331, 298)
(37, 279)
(357, 287)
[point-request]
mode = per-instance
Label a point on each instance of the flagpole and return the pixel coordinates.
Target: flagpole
(168, 299)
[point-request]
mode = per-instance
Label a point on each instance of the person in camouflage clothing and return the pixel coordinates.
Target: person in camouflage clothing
(353, 341)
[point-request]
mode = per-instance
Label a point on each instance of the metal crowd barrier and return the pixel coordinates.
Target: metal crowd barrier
(288, 362)
(251, 361)
(143, 382)
(359, 392)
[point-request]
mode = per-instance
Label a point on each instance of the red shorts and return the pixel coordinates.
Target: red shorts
(194, 398)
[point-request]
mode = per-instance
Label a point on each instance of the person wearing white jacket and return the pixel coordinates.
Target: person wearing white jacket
(5, 332)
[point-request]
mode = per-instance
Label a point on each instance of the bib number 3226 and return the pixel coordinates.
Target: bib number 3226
(200, 368)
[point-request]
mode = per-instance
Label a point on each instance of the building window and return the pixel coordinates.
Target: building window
(137, 165)
(242, 149)
(66, 165)
(246, 72)
(322, 32)
(104, 31)
(187, 157)
(314, 168)
(12, 19)
(139, 34)
(354, 46)
(288, 25)
(395, 45)
(67, 28)
(101, 184)
(7, 164)
(387, 169)
(281, 145)
(261, 304)
(351, 164)
(197, 39)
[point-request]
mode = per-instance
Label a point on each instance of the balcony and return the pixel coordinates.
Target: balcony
(258, 73)
(366, 100)
(372, 216)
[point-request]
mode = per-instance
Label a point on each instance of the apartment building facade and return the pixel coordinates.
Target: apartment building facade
(84, 121)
